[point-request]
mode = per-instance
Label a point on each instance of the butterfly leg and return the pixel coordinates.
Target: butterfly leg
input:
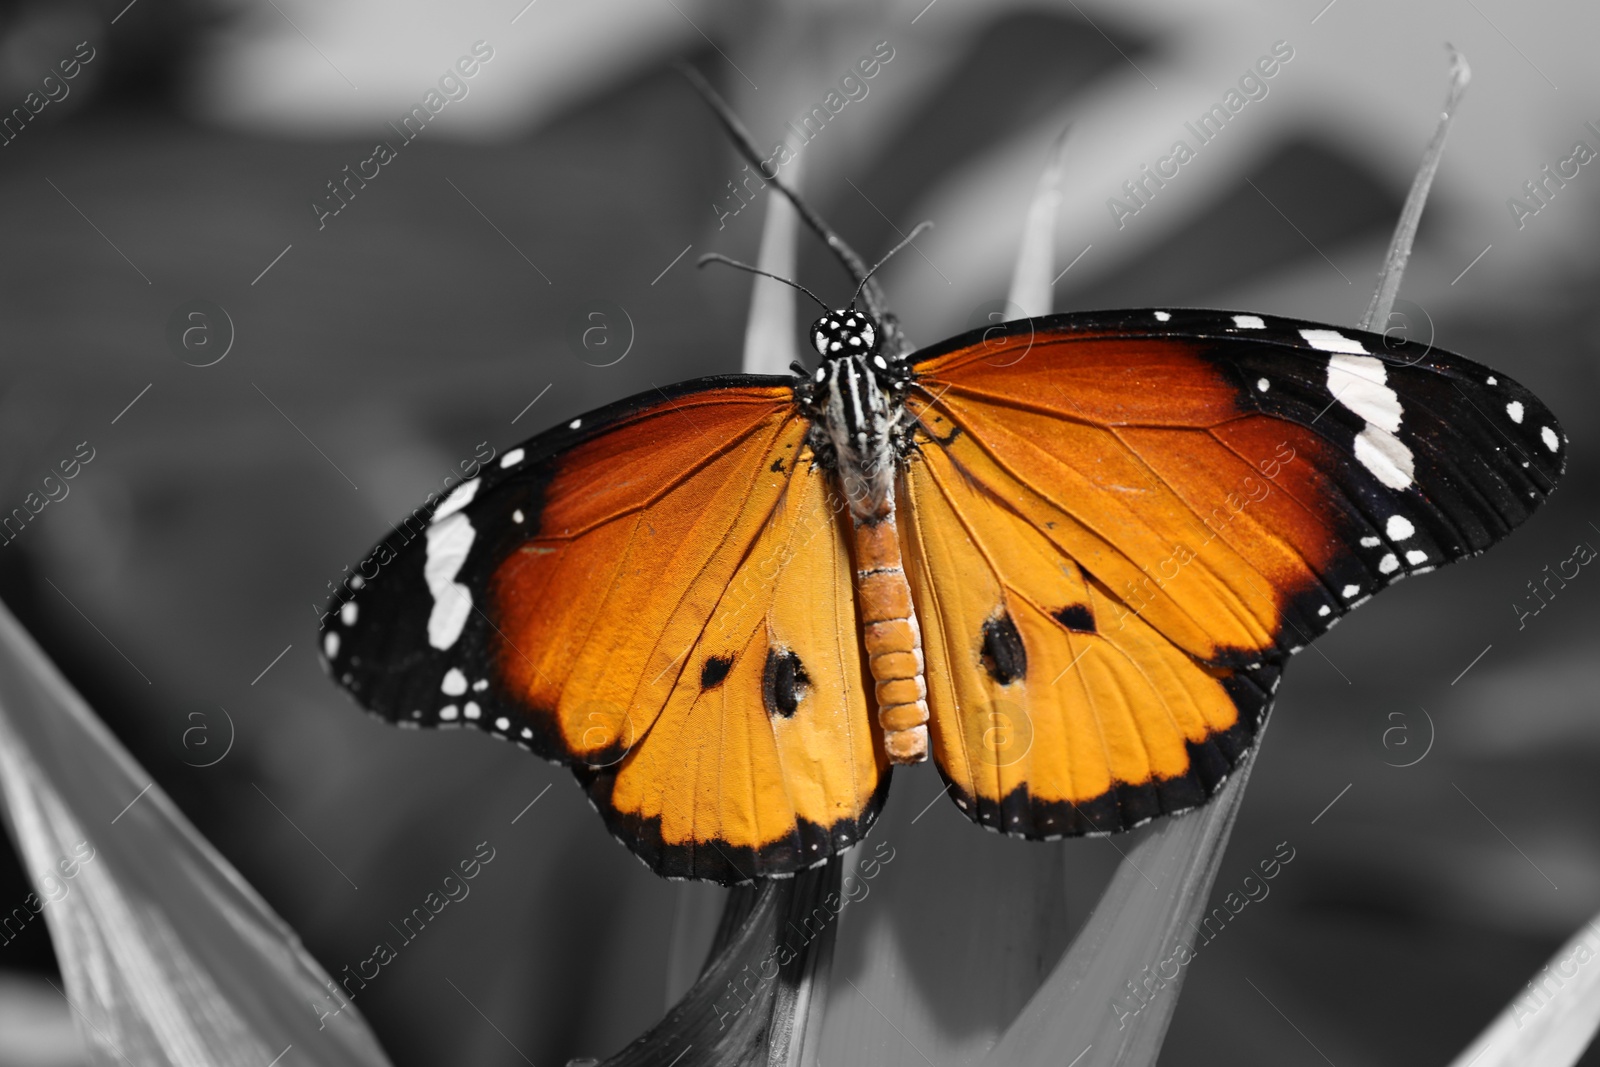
(893, 639)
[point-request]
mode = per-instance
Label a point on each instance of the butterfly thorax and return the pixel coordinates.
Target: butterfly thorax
(856, 399)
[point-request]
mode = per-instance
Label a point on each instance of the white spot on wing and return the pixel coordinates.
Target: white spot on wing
(574, 424)
(1350, 591)
(1514, 409)
(1551, 441)
(1370, 542)
(1263, 385)
(480, 685)
(1416, 556)
(516, 516)
(448, 545)
(330, 644)
(1324, 610)
(472, 711)
(512, 458)
(1388, 564)
(1491, 380)
(1399, 528)
(347, 614)
(448, 712)
(454, 683)
(1249, 322)
(1161, 316)
(459, 498)
(1332, 341)
(1360, 383)
(502, 723)
(1386, 457)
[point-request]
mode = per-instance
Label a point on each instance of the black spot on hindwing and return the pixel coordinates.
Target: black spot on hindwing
(783, 682)
(1003, 655)
(715, 670)
(1076, 617)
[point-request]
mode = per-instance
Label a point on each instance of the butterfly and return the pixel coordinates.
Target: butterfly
(1065, 557)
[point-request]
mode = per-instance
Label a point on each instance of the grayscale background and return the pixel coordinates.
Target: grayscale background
(372, 353)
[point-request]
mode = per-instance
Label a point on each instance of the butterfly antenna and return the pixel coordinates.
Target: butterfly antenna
(925, 224)
(717, 257)
(741, 140)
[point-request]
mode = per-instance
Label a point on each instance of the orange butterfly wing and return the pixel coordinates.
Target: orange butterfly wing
(669, 612)
(1119, 526)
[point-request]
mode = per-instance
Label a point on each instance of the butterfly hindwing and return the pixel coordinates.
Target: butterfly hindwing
(657, 595)
(1155, 509)
(1056, 709)
(765, 757)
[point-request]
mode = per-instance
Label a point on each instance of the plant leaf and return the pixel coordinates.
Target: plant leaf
(169, 956)
(949, 933)
(1032, 279)
(769, 333)
(1098, 997)
(736, 1014)
(1405, 231)
(1553, 1018)
(694, 928)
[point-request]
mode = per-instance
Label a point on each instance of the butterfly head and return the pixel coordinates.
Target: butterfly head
(845, 333)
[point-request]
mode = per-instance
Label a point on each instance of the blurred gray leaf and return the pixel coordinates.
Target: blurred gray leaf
(169, 956)
(1032, 279)
(769, 345)
(1405, 233)
(760, 1020)
(1553, 1018)
(1155, 897)
(694, 930)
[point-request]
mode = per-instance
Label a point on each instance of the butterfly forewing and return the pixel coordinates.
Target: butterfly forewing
(1155, 509)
